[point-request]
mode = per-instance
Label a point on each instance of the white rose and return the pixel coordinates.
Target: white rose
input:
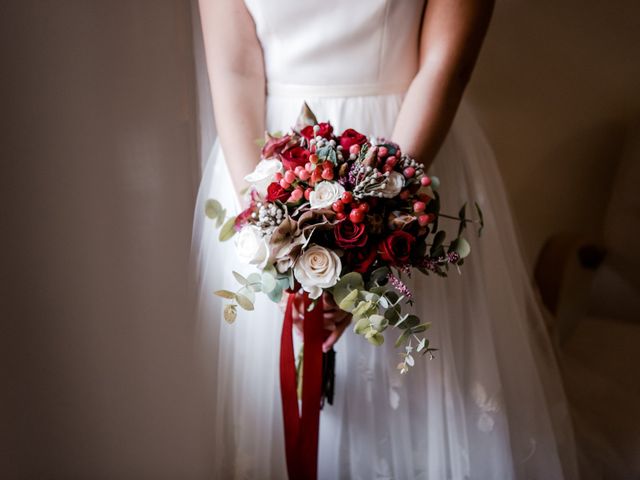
(264, 174)
(393, 185)
(252, 247)
(325, 194)
(317, 269)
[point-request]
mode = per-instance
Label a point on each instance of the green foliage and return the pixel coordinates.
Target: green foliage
(461, 247)
(228, 230)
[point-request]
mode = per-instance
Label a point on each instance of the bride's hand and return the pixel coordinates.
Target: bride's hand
(335, 319)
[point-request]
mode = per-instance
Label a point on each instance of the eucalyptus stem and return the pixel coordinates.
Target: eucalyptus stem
(444, 215)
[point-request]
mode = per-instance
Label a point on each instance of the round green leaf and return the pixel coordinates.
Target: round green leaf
(461, 247)
(268, 282)
(244, 302)
(212, 209)
(230, 313)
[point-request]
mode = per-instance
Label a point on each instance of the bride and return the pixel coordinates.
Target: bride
(490, 405)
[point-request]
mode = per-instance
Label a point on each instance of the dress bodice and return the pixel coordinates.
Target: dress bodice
(360, 44)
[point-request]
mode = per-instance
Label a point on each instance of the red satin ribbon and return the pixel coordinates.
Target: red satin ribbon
(301, 431)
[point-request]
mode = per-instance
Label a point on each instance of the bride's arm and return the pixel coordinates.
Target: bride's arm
(450, 40)
(236, 73)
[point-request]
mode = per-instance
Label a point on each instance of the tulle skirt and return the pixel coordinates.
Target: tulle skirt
(489, 406)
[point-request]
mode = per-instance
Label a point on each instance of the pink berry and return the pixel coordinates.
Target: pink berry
(304, 175)
(423, 220)
(338, 206)
(347, 197)
(387, 168)
(278, 176)
(307, 193)
(341, 215)
(354, 149)
(409, 172)
(391, 161)
(309, 167)
(284, 184)
(297, 194)
(383, 152)
(419, 207)
(425, 181)
(327, 174)
(290, 177)
(405, 194)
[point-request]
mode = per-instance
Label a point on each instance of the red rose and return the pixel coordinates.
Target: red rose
(274, 145)
(325, 131)
(294, 157)
(396, 248)
(276, 192)
(361, 259)
(351, 137)
(350, 235)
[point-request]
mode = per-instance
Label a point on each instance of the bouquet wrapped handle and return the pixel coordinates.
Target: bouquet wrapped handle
(301, 430)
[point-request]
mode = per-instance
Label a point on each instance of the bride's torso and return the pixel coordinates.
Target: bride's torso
(353, 44)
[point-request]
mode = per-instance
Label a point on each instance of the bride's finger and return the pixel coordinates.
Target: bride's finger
(334, 336)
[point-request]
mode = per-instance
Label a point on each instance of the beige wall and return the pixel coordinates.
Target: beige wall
(98, 180)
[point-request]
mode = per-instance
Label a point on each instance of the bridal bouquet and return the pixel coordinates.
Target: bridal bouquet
(344, 214)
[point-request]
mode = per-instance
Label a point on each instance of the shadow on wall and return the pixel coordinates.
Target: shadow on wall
(556, 89)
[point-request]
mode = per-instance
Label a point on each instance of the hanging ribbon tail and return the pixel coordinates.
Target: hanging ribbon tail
(301, 431)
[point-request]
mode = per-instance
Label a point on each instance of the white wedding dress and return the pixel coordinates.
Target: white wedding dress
(490, 406)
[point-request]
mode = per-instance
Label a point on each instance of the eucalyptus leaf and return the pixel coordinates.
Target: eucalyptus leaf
(402, 338)
(275, 295)
(212, 209)
(364, 309)
(249, 293)
(220, 219)
(378, 322)
(462, 214)
(228, 230)
(376, 339)
(353, 280)
(244, 302)
(480, 217)
(409, 322)
(230, 313)
(379, 275)
(361, 326)
(240, 279)
(268, 282)
(420, 328)
(393, 315)
(348, 303)
(225, 294)
(461, 247)
(438, 240)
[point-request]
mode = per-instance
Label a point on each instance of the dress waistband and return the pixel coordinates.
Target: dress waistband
(275, 89)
